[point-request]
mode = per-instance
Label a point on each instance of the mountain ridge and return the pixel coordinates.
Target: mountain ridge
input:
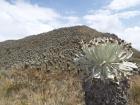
(48, 50)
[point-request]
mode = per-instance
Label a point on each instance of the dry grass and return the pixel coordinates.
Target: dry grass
(35, 87)
(135, 91)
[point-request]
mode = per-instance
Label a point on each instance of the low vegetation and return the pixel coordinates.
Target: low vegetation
(40, 88)
(35, 87)
(135, 91)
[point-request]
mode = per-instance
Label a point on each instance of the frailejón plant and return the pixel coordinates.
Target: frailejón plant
(106, 58)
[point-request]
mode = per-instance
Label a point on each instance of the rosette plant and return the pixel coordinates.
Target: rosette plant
(107, 59)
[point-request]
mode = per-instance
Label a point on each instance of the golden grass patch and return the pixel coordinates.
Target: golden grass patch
(36, 87)
(135, 91)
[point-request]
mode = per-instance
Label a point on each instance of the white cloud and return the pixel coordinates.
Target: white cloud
(22, 18)
(19, 19)
(106, 21)
(72, 20)
(127, 14)
(109, 21)
(132, 35)
(123, 4)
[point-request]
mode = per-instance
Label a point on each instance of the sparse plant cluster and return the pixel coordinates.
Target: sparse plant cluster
(107, 58)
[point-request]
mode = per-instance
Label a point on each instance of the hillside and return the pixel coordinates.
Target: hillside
(57, 47)
(30, 82)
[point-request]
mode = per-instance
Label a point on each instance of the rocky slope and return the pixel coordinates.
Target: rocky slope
(53, 50)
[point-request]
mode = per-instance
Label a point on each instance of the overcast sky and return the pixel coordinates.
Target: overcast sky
(20, 18)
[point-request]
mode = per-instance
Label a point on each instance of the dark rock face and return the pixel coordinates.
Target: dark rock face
(98, 92)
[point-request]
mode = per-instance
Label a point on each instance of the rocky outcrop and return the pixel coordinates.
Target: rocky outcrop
(53, 50)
